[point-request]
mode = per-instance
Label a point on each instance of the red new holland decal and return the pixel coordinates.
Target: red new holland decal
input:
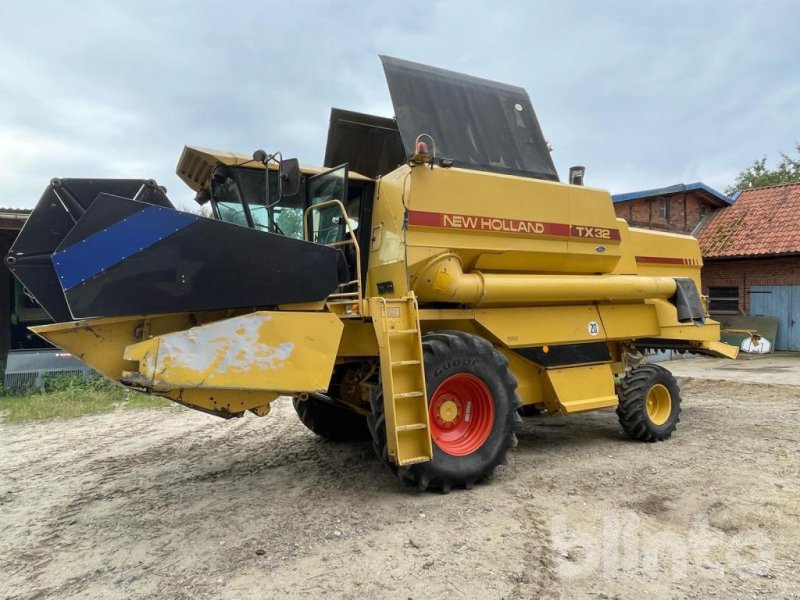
(418, 218)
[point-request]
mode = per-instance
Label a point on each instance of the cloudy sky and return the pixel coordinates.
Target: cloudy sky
(645, 94)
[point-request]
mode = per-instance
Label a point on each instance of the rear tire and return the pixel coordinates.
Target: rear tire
(529, 410)
(473, 407)
(331, 422)
(649, 403)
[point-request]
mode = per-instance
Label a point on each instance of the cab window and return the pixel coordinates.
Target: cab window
(284, 217)
(327, 224)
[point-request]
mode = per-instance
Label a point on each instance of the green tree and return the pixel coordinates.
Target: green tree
(759, 175)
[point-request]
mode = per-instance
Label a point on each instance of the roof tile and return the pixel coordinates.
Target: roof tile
(760, 221)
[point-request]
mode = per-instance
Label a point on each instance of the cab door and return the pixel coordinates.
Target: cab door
(326, 225)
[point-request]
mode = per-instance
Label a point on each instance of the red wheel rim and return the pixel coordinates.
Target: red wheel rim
(461, 414)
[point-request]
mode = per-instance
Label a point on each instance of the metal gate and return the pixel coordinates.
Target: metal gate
(783, 302)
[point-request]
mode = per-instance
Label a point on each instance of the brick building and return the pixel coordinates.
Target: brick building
(679, 208)
(750, 245)
(751, 256)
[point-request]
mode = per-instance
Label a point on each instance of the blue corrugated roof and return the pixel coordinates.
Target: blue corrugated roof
(674, 189)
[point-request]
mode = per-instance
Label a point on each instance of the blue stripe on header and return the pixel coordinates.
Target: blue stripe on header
(104, 249)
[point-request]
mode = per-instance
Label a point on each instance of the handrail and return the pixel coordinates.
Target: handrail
(353, 240)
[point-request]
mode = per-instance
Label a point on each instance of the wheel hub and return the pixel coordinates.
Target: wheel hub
(658, 404)
(448, 411)
(461, 414)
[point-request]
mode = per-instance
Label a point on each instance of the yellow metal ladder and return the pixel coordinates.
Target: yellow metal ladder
(396, 323)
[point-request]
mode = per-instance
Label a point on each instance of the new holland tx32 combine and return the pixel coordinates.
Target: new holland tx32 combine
(427, 286)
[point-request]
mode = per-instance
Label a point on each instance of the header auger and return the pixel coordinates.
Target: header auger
(429, 282)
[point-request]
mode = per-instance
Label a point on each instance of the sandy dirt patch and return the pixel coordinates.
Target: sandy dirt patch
(170, 503)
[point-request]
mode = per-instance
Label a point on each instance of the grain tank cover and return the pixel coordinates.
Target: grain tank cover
(479, 124)
(370, 144)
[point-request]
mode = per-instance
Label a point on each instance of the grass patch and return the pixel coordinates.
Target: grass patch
(71, 396)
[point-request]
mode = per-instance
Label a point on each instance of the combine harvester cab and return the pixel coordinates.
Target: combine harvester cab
(425, 304)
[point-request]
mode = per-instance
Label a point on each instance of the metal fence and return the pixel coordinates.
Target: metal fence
(26, 369)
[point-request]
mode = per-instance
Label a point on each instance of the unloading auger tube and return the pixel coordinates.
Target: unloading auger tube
(443, 280)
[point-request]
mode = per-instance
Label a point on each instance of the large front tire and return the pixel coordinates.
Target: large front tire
(472, 409)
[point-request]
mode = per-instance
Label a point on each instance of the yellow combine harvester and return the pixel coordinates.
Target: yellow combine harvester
(434, 285)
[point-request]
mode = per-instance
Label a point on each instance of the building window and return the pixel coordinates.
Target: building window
(723, 300)
(703, 211)
(663, 209)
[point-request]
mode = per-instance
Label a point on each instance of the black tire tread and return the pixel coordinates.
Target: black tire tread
(631, 410)
(331, 422)
(438, 344)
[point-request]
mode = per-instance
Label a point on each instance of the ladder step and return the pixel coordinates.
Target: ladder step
(412, 427)
(396, 321)
(414, 460)
(408, 395)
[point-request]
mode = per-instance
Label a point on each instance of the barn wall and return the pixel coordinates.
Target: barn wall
(684, 212)
(743, 273)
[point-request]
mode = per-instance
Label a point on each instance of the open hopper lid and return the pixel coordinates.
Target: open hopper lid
(479, 124)
(370, 144)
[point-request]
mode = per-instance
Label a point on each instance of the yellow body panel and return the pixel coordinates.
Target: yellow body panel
(530, 380)
(358, 339)
(522, 327)
(224, 402)
(498, 223)
(101, 343)
(515, 223)
(664, 254)
(582, 388)
(721, 349)
(262, 351)
(387, 251)
(626, 321)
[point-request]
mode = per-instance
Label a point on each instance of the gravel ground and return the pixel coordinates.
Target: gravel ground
(171, 503)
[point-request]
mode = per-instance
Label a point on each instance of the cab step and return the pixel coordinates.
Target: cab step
(405, 363)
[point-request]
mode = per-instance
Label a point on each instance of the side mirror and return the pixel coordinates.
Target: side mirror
(219, 174)
(290, 177)
(202, 196)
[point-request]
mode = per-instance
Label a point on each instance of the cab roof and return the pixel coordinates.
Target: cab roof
(197, 163)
